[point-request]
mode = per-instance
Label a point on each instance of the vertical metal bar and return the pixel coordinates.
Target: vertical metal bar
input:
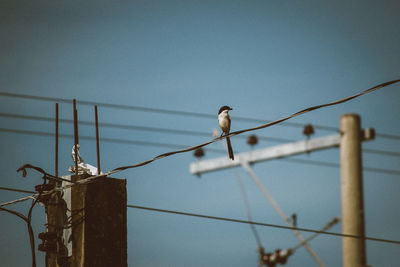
(97, 139)
(56, 136)
(75, 137)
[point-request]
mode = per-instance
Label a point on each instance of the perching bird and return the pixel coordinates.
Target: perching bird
(225, 124)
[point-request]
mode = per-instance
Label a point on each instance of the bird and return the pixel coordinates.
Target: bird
(224, 122)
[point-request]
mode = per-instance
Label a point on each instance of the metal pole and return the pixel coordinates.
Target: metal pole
(354, 253)
(56, 158)
(97, 139)
(76, 137)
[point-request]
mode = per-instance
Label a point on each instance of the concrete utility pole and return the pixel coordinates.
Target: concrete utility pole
(349, 141)
(92, 221)
(352, 190)
(99, 234)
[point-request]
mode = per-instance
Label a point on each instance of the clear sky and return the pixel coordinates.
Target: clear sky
(266, 59)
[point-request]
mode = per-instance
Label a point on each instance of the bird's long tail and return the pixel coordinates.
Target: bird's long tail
(230, 151)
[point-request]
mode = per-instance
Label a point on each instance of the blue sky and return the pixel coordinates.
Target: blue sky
(266, 59)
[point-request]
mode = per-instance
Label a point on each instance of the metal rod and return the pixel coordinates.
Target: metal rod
(56, 136)
(97, 139)
(275, 205)
(326, 227)
(75, 137)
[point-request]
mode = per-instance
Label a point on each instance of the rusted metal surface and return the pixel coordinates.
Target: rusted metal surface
(97, 139)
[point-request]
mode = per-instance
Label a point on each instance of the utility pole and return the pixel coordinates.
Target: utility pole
(354, 254)
(98, 220)
(349, 140)
(86, 223)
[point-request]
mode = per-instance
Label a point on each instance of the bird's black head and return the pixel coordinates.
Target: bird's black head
(224, 108)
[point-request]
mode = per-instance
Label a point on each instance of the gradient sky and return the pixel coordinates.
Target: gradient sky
(266, 59)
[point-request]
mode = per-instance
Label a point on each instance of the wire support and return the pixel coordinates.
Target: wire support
(397, 242)
(18, 200)
(17, 190)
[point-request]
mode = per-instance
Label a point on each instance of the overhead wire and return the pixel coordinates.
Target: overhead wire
(28, 221)
(135, 127)
(104, 139)
(167, 154)
(247, 206)
(337, 165)
(214, 150)
(163, 130)
(16, 190)
(17, 200)
(179, 112)
(307, 240)
(91, 179)
(397, 242)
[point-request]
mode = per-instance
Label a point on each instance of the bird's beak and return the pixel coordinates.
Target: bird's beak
(230, 108)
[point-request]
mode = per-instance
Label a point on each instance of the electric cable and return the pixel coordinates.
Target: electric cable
(247, 206)
(167, 154)
(155, 129)
(17, 200)
(397, 242)
(104, 139)
(326, 227)
(136, 127)
(183, 113)
(177, 146)
(337, 165)
(16, 190)
(28, 221)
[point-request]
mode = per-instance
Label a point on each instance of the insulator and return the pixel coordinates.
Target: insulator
(44, 187)
(48, 235)
(308, 130)
(198, 153)
(252, 140)
(44, 199)
(48, 247)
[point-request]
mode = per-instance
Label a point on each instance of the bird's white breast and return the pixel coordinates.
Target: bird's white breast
(224, 121)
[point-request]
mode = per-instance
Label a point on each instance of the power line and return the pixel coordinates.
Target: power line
(388, 136)
(167, 154)
(17, 200)
(337, 165)
(177, 146)
(134, 127)
(264, 224)
(104, 139)
(326, 227)
(182, 113)
(28, 221)
(381, 152)
(171, 131)
(16, 190)
(247, 206)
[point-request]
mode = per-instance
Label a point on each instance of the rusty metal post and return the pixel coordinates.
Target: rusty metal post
(56, 136)
(354, 253)
(76, 136)
(97, 139)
